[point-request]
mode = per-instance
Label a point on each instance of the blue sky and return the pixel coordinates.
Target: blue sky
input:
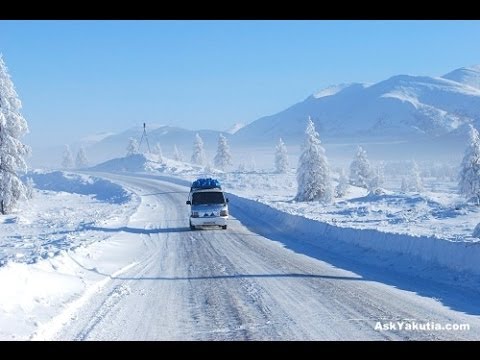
(82, 77)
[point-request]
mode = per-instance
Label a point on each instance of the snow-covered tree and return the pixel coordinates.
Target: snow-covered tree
(404, 186)
(281, 157)
(132, 147)
(342, 187)
(476, 231)
(157, 149)
(67, 158)
(380, 173)
(313, 172)
(209, 171)
(13, 127)
(415, 180)
(360, 170)
(198, 156)
(242, 167)
(253, 163)
(29, 185)
(223, 158)
(469, 183)
(177, 154)
(81, 160)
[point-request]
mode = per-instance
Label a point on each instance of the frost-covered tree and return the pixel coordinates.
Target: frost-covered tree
(223, 158)
(177, 155)
(476, 231)
(253, 163)
(81, 160)
(209, 171)
(67, 158)
(404, 186)
(157, 149)
(313, 172)
(360, 170)
(342, 187)
(415, 180)
(469, 183)
(29, 185)
(281, 157)
(132, 147)
(242, 167)
(13, 127)
(380, 173)
(198, 156)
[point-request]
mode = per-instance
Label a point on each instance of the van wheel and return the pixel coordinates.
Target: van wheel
(224, 227)
(192, 227)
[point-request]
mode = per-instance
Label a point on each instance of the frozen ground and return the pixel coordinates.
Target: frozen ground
(86, 258)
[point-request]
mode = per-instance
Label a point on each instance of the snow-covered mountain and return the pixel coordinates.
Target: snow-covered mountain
(401, 107)
(234, 128)
(404, 116)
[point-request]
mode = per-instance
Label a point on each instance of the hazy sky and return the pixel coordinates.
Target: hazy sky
(79, 77)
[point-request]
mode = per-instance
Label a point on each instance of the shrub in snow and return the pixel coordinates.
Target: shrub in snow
(198, 156)
(476, 231)
(360, 170)
(223, 158)
(13, 127)
(342, 187)
(132, 147)
(81, 160)
(281, 157)
(469, 184)
(313, 172)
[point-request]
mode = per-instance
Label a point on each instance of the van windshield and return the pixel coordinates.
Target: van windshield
(204, 198)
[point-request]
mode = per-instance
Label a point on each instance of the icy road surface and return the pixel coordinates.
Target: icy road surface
(237, 285)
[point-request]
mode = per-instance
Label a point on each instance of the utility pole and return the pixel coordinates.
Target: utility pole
(144, 135)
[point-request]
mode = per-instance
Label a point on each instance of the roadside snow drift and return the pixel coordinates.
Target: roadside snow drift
(101, 189)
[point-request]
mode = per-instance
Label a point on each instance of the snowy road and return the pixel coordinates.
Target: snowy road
(237, 285)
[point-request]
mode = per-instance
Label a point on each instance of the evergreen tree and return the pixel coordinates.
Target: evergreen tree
(177, 155)
(132, 147)
(242, 167)
(360, 170)
(469, 183)
(415, 180)
(404, 186)
(281, 157)
(198, 156)
(81, 160)
(223, 158)
(342, 187)
(29, 185)
(313, 173)
(67, 159)
(13, 127)
(157, 149)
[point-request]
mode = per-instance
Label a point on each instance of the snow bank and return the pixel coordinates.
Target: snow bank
(458, 256)
(103, 190)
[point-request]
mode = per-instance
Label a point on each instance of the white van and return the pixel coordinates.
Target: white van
(208, 204)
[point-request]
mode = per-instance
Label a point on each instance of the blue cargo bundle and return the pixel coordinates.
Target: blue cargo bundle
(207, 183)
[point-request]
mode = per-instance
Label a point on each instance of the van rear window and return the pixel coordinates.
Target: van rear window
(203, 198)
